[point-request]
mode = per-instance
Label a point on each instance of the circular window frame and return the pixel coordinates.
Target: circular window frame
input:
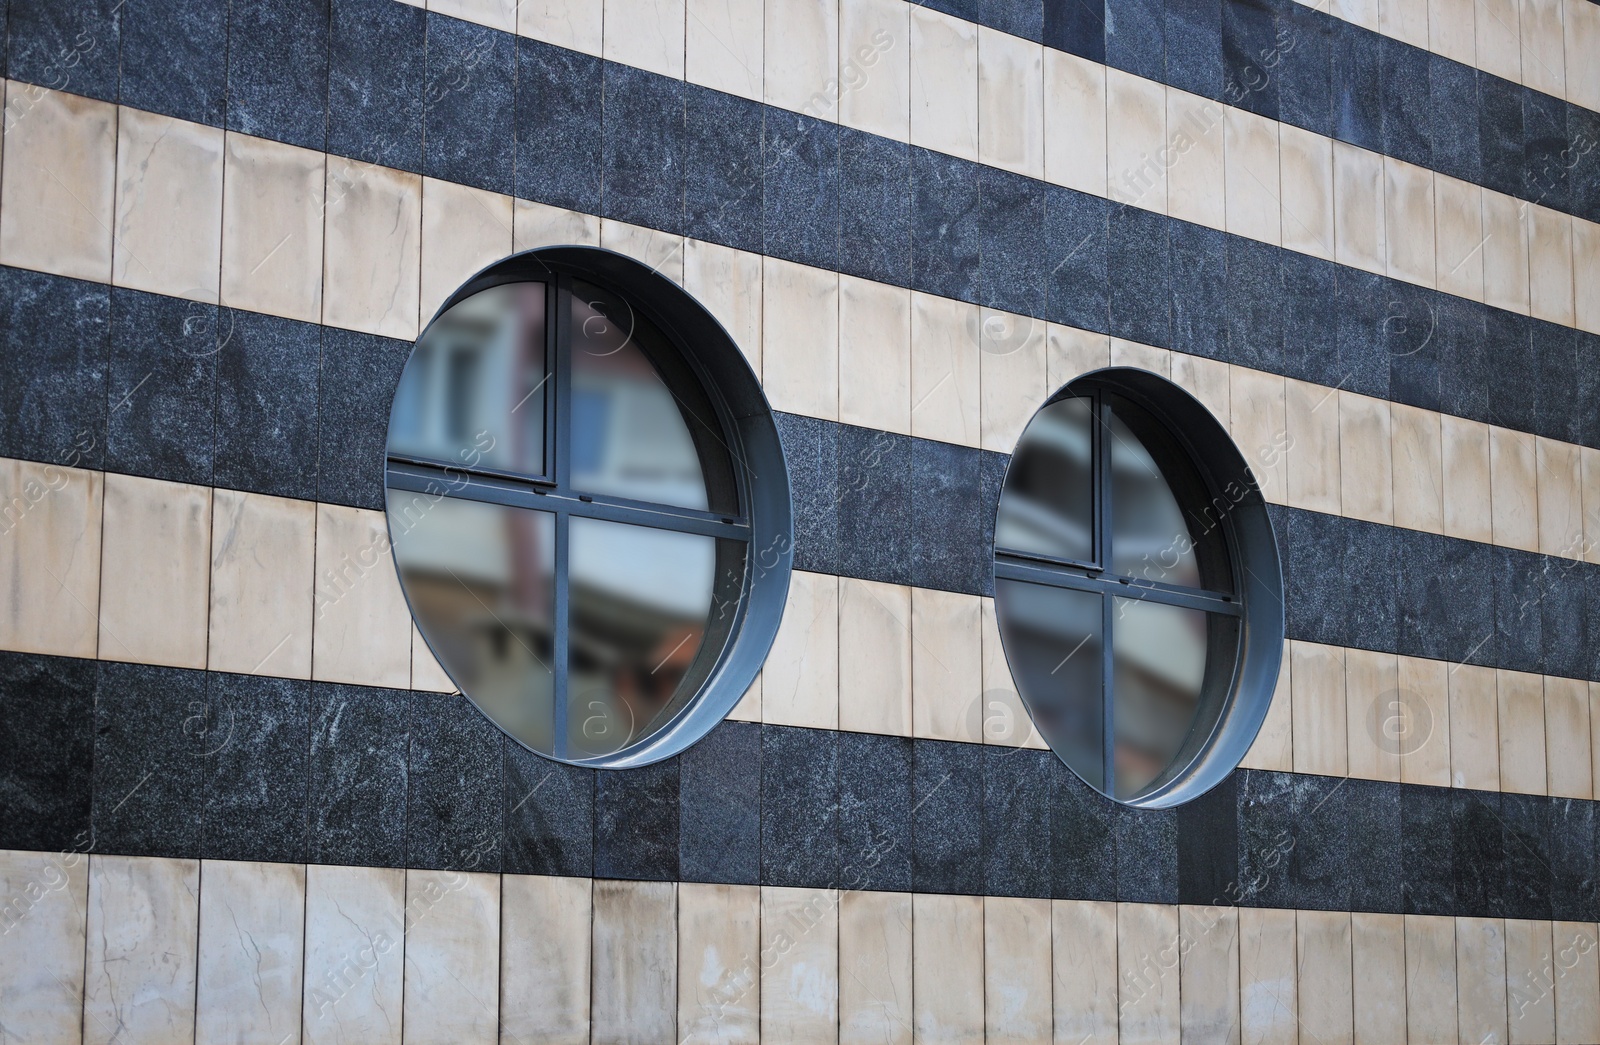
(749, 430)
(1251, 547)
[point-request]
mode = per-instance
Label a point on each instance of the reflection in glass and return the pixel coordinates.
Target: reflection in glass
(1048, 503)
(1052, 640)
(1149, 537)
(480, 581)
(1159, 666)
(629, 437)
(472, 393)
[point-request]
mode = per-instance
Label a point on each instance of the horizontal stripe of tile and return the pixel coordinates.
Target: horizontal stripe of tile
(175, 763)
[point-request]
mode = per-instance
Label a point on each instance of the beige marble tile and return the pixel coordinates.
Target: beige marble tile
(800, 684)
(251, 954)
(1530, 985)
(1268, 1006)
(42, 926)
(1307, 181)
(1577, 982)
(1376, 714)
(944, 369)
(1084, 956)
(1016, 968)
(1362, 12)
(1148, 960)
(719, 961)
(1594, 724)
(1559, 476)
(539, 225)
(946, 665)
(272, 196)
(1075, 122)
(155, 552)
(1405, 20)
(1566, 731)
(1125, 353)
(452, 957)
(1195, 159)
(263, 552)
(1481, 979)
(1544, 47)
(874, 355)
(168, 232)
(646, 34)
(354, 944)
(659, 250)
(1206, 380)
(463, 230)
(1421, 724)
(1521, 726)
(1583, 41)
(1430, 978)
(875, 67)
(1586, 272)
(1499, 43)
(57, 183)
(1004, 718)
(875, 657)
(1208, 995)
(727, 283)
(139, 967)
(1589, 465)
(1070, 353)
(944, 83)
(1136, 134)
(635, 956)
(1312, 463)
(1408, 219)
(947, 968)
(544, 959)
(1254, 198)
(800, 971)
(1274, 744)
(1452, 30)
(1010, 103)
(497, 14)
(1513, 477)
(1505, 252)
(1360, 240)
(1378, 981)
(361, 627)
(802, 57)
(800, 346)
(1366, 458)
(1468, 505)
(426, 672)
(1011, 368)
(1474, 728)
(724, 45)
(1320, 724)
(574, 24)
(749, 707)
(373, 251)
(1550, 260)
(1458, 232)
(1324, 975)
(50, 522)
(1417, 460)
(1260, 428)
(875, 974)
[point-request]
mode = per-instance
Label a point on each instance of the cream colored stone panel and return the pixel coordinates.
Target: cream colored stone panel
(1458, 232)
(1544, 47)
(800, 966)
(168, 236)
(1268, 959)
(1125, 353)
(749, 707)
(496, 14)
(1195, 158)
(252, 937)
(1136, 135)
(1421, 722)
(875, 67)
(1405, 20)
(724, 42)
(1148, 965)
(1474, 728)
(1011, 368)
(538, 225)
(1417, 459)
(1583, 43)
(1481, 979)
(50, 518)
(42, 941)
(802, 57)
(463, 230)
(1312, 413)
(1378, 981)
(1070, 353)
(1513, 476)
(1358, 219)
(635, 956)
(801, 674)
(57, 183)
(574, 24)
(944, 369)
(1566, 736)
(875, 657)
(944, 83)
(544, 959)
(1408, 217)
(1075, 122)
(1468, 504)
(1586, 263)
(648, 34)
(1206, 380)
(1430, 978)
(1016, 967)
(263, 558)
(139, 971)
(354, 943)
(1084, 955)
(1452, 30)
(1500, 38)
(1375, 714)
(1505, 252)
(1589, 465)
(1560, 497)
(452, 958)
(1577, 982)
(1254, 198)
(1326, 993)
(1307, 181)
(875, 972)
(947, 968)
(1521, 724)
(1362, 12)
(719, 961)
(800, 344)
(946, 665)
(1005, 719)
(427, 673)
(1259, 427)
(1530, 987)
(1208, 995)
(373, 255)
(1274, 745)
(361, 627)
(728, 283)
(1366, 458)
(660, 250)
(272, 217)
(874, 355)
(155, 552)
(1010, 103)
(1550, 279)
(1320, 725)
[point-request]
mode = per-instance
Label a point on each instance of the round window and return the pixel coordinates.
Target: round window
(1138, 588)
(588, 506)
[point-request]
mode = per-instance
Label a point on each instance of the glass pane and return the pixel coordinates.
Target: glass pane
(641, 601)
(472, 392)
(629, 437)
(480, 581)
(1150, 538)
(1047, 506)
(1052, 642)
(1159, 666)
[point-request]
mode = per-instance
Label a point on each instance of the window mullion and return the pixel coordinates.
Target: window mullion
(561, 472)
(562, 632)
(1101, 447)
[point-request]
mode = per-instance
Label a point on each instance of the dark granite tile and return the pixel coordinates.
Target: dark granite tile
(1310, 322)
(1544, 141)
(53, 335)
(469, 105)
(1136, 37)
(377, 73)
(47, 737)
(1411, 335)
(549, 815)
(1508, 347)
(1500, 148)
(1465, 377)
(874, 207)
(1526, 822)
(68, 45)
(559, 96)
(1147, 855)
(945, 230)
(358, 377)
(1565, 630)
(1293, 844)
(799, 807)
(719, 806)
(874, 812)
(174, 58)
(256, 739)
(1372, 830)
(1139, 269)
(991, 476)
(1014, 251)
(1208, 846)
(1077, 288)
(966, 10)
(1426, 848)
(642, 163)
(266, 419)
(1592, 616)
(1557, 369)
(155, 730)
(1369, 583)
(1193, 32)
(1200, 298)
(811, 453)
(1445, 598)
(947, 548)
(800, 206)
(1518, 611)
(1572, 869)
(1478, 852)
(1407, 123)
(1584, 428)
(1357, 80)
(1255, 305)
(1076, 27)
(1016, 821)
(636, 823)
(1251, 52)
(722, 167)
(278, 71)
(357, 803)
(947, 825)
(1083, 840)
(162, 387)
(1305, 76)
(1314, 609)
(456, 777)
(1583, 162)
(1021, 18)
(1453, 120)
(1362, 306)
(875, 533)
